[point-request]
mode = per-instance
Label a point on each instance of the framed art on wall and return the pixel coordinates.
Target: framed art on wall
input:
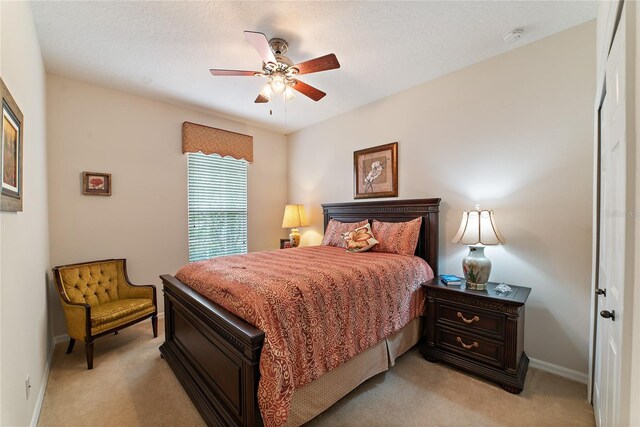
(285, 243)
(96, 183)
(375, 172)
(12, 129)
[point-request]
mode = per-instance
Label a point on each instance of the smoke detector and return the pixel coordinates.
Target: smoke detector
(513, 35)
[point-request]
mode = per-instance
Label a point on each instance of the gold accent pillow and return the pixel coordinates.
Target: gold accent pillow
(335, 229)
(359, 240)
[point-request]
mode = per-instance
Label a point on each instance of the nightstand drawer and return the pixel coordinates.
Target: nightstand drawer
(470, 318)
(471, 346)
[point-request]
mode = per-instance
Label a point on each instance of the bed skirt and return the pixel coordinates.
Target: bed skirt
(317, 396)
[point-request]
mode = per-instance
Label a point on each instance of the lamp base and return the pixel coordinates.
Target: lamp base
(294, 238)
(476, 268)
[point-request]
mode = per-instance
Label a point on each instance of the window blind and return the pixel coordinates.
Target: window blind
(217, 206)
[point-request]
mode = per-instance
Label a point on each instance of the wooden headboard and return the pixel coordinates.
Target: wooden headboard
(395, 211)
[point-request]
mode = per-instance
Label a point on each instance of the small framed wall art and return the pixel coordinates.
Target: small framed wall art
(375, 172)
(12, 129)
(285, 243)
(96, 183)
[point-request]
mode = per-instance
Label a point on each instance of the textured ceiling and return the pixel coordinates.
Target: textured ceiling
(165, 49)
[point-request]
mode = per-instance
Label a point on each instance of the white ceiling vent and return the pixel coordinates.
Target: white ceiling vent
(513, 35)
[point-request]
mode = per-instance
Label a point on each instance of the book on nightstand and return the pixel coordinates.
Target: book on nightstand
(450, 280)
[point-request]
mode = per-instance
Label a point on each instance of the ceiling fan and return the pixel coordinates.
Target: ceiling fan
(280, 71)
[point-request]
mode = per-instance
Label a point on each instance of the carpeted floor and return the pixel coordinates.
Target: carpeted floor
(131, 385)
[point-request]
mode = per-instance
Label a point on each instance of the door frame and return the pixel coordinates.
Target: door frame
(609, 17)
(609, 14)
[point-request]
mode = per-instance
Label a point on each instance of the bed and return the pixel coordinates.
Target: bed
(215, 354)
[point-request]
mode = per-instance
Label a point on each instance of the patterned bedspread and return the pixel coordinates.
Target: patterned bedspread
(318, 306)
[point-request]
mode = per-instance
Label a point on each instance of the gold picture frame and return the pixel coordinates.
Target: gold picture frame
(375, 172)
(11, 193)
(96, 184)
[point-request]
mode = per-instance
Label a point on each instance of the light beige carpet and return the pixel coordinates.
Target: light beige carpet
(131, 385)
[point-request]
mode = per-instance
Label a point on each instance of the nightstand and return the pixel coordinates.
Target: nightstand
(481, 332)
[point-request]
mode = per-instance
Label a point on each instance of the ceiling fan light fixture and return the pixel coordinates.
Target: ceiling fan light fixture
(289, 94)
(278, 83)
(266, 91)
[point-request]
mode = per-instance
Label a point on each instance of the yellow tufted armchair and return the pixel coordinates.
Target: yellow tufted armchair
(98, 299)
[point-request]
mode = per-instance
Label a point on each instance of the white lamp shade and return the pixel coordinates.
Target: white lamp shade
(294, 217)
(277, 83)
(289, 94)
(267, 91)
(478, 227)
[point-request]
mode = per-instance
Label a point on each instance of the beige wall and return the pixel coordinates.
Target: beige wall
(635, 355)
(513, 133)
(24, 237)
(138, 141)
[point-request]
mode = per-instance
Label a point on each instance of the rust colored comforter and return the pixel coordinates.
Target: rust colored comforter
(318, 306)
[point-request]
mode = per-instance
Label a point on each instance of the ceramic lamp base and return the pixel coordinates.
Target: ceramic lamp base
(294, 238)
(476, 268)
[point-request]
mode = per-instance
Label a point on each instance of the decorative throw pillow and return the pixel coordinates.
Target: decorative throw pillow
(397, 237)
(335, 230)
(360, 240)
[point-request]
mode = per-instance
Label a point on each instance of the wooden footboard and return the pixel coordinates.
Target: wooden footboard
(214, 354)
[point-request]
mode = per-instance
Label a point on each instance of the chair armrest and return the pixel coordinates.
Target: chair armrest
(139, 291)
(78, 317)
(129, 290)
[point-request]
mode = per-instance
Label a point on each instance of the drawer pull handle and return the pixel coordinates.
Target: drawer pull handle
(465, 320)
(467, 346)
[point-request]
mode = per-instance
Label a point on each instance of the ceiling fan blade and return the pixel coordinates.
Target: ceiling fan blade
(216, 72)
(261, 45)
(261, 99)
(309, 91)
(323, 63)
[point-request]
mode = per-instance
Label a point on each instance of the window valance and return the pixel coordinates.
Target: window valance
(207, 140)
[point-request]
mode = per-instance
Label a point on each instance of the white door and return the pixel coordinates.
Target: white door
(607, 379)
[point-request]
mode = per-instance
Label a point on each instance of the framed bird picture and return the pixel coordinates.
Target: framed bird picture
(375, 172)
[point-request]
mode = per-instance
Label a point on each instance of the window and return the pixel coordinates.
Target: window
(217, 206)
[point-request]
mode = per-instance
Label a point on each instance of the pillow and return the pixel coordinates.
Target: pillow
(397, 237)
(335, 230)
(360, 240)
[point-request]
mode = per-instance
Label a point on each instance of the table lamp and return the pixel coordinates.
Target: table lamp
(294, 217)
(477, 229)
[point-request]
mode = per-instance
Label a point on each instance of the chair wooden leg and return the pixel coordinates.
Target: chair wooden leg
(154, 325)
(89, 350)
(72, 342)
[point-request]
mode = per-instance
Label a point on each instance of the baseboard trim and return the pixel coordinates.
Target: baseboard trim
(43, 388)
(561, 371)
(60, 338)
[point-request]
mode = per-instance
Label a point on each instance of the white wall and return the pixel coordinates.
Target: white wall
(513, 133)
(635, 355)
(24, 330)
(139, 142)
